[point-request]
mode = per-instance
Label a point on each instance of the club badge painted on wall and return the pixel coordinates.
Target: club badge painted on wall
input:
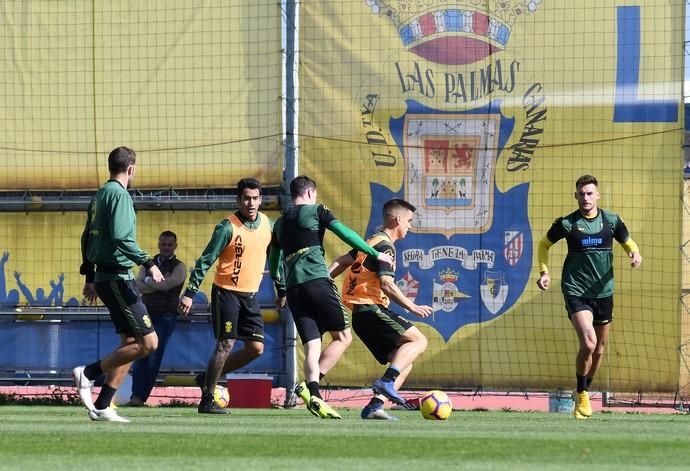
(470, 247)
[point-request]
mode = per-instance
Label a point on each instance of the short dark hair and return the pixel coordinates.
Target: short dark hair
(299, 185)
(586, 180)
(251, 183)
(168, 234)
(120, 158)
(395, 203)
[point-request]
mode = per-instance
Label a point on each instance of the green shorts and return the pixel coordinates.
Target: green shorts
(379, 328)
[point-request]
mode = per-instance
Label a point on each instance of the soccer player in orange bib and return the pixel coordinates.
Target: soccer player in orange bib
(240, 243)
(368, 289)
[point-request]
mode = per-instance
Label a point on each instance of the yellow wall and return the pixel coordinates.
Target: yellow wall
(41, 246)
(195, 90)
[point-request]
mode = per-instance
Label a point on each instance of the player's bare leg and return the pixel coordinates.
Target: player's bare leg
(602, 333)
(340, 341)
(240, 358)
(116, 366)
(311, 394)
(587, 337)
(213, 372)
(412, 344)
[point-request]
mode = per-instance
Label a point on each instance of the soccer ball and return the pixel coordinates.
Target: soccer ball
(221, 396)
(435, 405)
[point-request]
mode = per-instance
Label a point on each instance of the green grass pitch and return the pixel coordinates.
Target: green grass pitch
(54, 438)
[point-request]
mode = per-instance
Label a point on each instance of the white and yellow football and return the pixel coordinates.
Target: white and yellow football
(435, 405)
(221, 396)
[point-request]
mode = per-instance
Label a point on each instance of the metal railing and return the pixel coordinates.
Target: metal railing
(145, 200)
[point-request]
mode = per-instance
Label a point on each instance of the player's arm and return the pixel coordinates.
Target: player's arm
(347, 235)
(274, 253)
(176, 278)
(391, 290)
(275, 266)
(633, 252)
(87, 269)
(139, 282)
(342, 263)
(222, 234)
(275, 257)
(353, 239)
(122, 234)
(543, 256)
(276, 269)
(386, 275)
(554, 234)
(621, 234)
(277, 272)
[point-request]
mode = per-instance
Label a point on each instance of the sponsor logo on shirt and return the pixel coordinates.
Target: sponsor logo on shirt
(592, 241)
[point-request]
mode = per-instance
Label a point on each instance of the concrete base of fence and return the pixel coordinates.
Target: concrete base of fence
(357, 398)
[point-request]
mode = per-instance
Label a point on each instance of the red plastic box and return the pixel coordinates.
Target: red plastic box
(250, 391)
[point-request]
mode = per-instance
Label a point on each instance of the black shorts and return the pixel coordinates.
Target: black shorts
(379, 329)
(236, 315)
(601, 308)
(316, 308)
(127, 312)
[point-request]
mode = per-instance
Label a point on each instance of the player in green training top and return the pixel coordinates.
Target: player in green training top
(587, 282)
(109, 251)
(311, 294)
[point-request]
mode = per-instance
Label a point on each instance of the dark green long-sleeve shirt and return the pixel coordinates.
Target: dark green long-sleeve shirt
(109, 238)
(298, 237)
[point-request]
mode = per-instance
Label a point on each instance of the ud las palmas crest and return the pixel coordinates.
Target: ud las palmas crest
(469, 251)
